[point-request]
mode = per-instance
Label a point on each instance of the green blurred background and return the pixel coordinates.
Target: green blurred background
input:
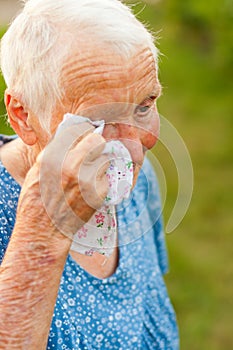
(196, 71)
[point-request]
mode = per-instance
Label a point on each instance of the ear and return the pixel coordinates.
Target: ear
(18, 117)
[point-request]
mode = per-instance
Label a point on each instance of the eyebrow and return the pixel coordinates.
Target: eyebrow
(157, 91)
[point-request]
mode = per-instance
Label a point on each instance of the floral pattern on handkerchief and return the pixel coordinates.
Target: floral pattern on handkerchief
(119, 173)
(98, 234)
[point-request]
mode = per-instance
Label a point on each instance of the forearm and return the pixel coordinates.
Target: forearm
(29, 281)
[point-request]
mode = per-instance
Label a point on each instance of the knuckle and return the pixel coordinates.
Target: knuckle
(94, 139)
(68, 178)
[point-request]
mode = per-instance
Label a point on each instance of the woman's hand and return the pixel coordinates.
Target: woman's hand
(68, 179)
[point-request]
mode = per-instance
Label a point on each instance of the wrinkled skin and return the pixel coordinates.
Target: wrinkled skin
(100, 85)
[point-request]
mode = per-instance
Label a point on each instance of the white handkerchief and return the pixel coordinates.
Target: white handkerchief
(99, 233)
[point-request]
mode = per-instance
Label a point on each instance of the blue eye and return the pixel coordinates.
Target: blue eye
(145, 107)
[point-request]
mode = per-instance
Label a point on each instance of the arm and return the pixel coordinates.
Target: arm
(34, 261)
(29, 281)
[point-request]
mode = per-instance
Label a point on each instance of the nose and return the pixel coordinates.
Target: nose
(149, 133)
(130, 136)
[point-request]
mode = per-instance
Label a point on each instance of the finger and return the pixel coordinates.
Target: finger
(75, 167)
(94, 153)
(60, 144)
(102, 164)
(93, 183)
(89, 148)
(88, 174)
(71, 135)
(91, 172)
(102, 188)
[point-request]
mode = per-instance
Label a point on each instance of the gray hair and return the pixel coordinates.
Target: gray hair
(39, 40)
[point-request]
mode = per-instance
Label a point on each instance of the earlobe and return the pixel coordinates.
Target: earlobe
(18, 117)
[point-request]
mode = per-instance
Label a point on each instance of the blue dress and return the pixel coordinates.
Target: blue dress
(129, 310)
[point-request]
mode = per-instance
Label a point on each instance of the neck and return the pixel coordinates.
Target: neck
(18, 158)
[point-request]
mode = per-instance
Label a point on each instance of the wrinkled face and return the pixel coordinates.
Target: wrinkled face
(100, 84)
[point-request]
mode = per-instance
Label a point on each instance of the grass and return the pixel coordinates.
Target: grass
(4, 127)
(197, 99)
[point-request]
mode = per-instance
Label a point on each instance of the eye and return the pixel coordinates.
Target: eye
(145, 107)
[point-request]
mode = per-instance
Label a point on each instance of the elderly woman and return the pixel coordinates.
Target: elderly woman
(91, 59)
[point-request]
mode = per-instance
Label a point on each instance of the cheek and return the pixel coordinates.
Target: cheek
(57, 117)
(110, 132)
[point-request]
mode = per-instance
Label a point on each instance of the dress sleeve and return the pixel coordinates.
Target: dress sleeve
(155, 212)
(9, 194)
(6, 138)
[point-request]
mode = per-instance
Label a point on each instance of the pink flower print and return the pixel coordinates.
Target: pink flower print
(89, 252)
(82, 232)
(100, 218)
(109, 180)
(113, 224)
(126, 191)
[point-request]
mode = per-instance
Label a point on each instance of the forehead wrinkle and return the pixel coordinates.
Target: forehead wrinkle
(90, 59)
(142, 64)
(88, 74)
(112, 77)
(146, 83)
(145, 62)
(118, 90)
(105, 65)
(76, 68)
(83, 63)
(100, 77)
(95, 74)
(143, 57)
(145, 51)
(143, 90)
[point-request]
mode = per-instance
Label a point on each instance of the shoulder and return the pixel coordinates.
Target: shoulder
(6, 138)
